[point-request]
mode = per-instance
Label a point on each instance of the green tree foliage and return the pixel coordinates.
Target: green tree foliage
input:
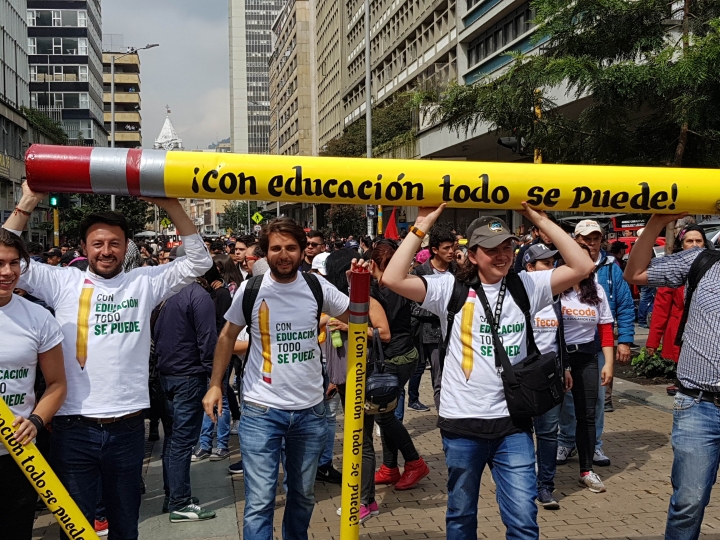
(51, 129)
(136, 211)
(346, 219)
(388, 122)
(648, 81)
(235, 215)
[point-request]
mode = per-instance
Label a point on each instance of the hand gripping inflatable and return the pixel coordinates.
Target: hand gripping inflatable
(41, 476)
(157, 173)
(355, 401)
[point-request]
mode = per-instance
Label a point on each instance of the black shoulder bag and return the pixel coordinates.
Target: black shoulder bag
(381, 389)
(535, 384)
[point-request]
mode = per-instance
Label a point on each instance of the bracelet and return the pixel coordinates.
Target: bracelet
(417, 232)
(37, 422)
(21, 211)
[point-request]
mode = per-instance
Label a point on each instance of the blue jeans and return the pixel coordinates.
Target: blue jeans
(262, 431)
(223, 428)
(512, 462)
(645, 305)
(566, 435)
(696, 449)
(183, 401)
(84, 454)
(546, 435)
(331, 408)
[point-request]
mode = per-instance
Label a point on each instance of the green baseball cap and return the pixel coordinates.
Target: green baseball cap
(488, 232)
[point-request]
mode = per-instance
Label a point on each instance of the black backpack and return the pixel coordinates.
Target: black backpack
(699, 268)
(251, 293)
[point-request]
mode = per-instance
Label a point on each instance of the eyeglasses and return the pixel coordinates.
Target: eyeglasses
(313, 244)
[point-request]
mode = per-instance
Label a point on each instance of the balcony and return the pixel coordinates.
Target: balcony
(128, 136)
(123, 97)
(123, 117)
(122, 78)
(129, 60)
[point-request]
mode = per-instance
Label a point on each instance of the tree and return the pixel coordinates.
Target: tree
(653, 79)
(235, 215)
(346, 219)
(388, 122)
(136, 211)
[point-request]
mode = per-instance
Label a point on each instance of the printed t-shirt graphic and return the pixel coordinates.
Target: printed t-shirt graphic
(283, 369)
(466, 335)
(27, 330)
(83, 322)
(545, 327)
(581, 320)
(114, 379)
(479, 393)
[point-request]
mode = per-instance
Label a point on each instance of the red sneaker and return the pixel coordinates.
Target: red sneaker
(386, 475)
(101, 527)
(413, 473)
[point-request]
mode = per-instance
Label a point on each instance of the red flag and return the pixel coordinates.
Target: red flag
(391, 231)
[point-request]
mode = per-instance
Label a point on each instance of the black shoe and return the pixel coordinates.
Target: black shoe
(328, 474)
(609, 407)
(417, 406)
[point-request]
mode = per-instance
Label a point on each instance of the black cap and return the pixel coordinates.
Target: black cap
(488, 232)
(54, 252)
(538, 252)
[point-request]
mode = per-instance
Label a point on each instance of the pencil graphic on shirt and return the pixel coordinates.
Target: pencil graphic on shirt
(264, 321)
(466, 336)
(83, 322)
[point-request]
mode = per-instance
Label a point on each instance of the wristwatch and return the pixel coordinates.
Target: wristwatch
(417, 232)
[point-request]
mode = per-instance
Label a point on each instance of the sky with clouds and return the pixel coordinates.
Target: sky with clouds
(189, 71)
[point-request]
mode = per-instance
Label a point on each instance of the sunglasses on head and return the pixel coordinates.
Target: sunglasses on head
(313, 244)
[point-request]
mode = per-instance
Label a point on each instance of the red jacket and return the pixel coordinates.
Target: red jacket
(667, 312)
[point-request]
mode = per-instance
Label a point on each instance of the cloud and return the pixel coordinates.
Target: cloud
(189, 71)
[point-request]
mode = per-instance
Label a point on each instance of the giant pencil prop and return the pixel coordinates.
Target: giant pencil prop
(157, 173)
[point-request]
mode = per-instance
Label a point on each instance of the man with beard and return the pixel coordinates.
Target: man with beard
(283, 396)
(98, 433)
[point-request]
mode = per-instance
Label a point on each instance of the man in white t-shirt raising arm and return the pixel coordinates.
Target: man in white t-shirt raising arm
(475, 423)
(99, 432)
(283, 395)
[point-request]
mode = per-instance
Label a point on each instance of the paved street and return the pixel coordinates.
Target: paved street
(637, 439)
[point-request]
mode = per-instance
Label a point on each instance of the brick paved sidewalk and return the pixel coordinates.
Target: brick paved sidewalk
(637, 439)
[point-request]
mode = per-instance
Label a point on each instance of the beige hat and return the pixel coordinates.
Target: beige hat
(587, 226)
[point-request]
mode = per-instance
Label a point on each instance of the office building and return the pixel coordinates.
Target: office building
(250, 23)
(128, 118)
(65, 56)
(329, 55)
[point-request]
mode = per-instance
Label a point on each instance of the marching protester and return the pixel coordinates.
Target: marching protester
(104, 314)
(31, 340)
(696, 425)
(669, 304)
(283, 392)
(315, 245)
(475, 424)
(538, 237)
(610, 278)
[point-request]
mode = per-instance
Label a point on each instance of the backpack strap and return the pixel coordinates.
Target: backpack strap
(702, 263)
(564, 360)
(517, 291)
(248, 301)
(317, 292)
(457, 299)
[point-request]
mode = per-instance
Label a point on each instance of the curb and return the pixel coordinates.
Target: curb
(653, 395)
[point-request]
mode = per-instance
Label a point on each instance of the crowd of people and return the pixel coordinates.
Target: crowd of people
(249, 336)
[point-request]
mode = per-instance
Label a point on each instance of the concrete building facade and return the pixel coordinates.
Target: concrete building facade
(329, 51)
(65, 56)
(128, 118)
(250, 23)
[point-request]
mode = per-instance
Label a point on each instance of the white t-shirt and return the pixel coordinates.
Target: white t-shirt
(27, 330)
(545, 329)
(471, 387)
(106, 324)
(284, 368)
(580, 320)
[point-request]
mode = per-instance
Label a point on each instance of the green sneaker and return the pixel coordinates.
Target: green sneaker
(192, 512)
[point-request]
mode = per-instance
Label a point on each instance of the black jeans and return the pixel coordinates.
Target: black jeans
(414, 383)
(585, 394)
(395, 436)
(17, 502)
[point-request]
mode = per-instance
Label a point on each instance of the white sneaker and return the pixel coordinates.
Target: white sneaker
(600, 459)
(563, 454)
(592, 482)
(377, 430)
(234, 427)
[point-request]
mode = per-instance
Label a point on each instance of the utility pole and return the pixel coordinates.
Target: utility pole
(368, 105)
(56, 225)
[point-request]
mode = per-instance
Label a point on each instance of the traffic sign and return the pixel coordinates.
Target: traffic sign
(257, 228)
(257, 217)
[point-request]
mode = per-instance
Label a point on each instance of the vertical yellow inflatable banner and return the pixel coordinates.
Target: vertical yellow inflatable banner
(46, 483)
(354, 404)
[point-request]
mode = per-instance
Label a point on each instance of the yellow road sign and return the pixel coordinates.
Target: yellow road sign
(257, 217)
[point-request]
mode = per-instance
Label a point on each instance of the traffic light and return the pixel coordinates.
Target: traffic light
(59, 200)
(54, 200)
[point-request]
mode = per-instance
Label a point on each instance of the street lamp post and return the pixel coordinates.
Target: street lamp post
(112, 98)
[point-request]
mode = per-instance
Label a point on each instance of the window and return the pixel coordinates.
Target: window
(32, 45)
(31, 17)
(57, 73)
(84, 100)
(83, 74)
(56, 18)
(70, 18)
(82, 18)
(33, 100)
(57, 100)
(83, 46)
(33, 73)
(57, 46)
(70, 46)
(43, 17)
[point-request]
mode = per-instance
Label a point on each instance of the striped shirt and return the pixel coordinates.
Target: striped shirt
(699, 364)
